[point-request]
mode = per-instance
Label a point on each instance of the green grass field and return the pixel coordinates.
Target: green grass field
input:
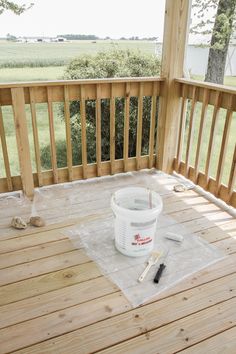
(228, 80)
(31, 74)
(54, 54)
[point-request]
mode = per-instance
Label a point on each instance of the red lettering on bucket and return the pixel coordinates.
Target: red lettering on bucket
(141, 240)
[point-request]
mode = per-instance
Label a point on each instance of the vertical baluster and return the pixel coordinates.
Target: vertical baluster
(232, 176)
(52, 135)
(182, 126)
(126, 126)
(68, 133)
(201, 131)
(22, 139)
(112, 129)
(35, 135)
(152, 124)
(98, 129)
(139, 127)
(5, 152)
(212, 134)
(224, 143)
(83, 131)
(190, 133)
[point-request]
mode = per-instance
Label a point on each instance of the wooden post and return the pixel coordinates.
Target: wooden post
(18, 104)
(173, 53)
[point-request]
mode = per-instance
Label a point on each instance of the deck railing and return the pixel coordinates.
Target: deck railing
(206, 150)
(19, 96)
(205, 146)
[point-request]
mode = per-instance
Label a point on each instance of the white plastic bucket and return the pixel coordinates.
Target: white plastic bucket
(136, 211)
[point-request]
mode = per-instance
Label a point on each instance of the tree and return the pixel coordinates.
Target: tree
(223, 28)
(116, 63)
(12, 6)
(10, 37)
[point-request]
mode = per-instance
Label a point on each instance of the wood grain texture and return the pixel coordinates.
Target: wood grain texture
(181, 128)
(52, 301)
(68, 133)
(56, 300)
(139, 127)
(201, 133)
(232, 176)
(29, 254)
(173, 53)
(190, 131)
(5, 153)
(42, 266)
(35, 135)
(141, 320)
(224, 342)
(22, 139)
(182, 333)
(52, 135)
(47, 282)
(98, 130)
(126, 127)
(152, 126)
(224, 143)
(66, 320)
(212, 134)
(83, 132)
(112, 129)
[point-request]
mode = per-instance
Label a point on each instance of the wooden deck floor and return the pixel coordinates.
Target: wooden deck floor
(55, 300)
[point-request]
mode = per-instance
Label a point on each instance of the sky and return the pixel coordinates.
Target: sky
(123, 18)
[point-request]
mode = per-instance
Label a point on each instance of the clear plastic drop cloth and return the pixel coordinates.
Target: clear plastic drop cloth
(181, 259)
(77, 199)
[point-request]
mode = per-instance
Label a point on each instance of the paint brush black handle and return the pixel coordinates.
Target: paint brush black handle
(159, 272)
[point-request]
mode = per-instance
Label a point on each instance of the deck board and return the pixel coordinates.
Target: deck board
(53, 299)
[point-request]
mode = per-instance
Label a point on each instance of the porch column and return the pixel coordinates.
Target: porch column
(173, 53)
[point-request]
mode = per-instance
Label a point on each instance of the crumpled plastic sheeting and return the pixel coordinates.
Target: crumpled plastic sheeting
(183, 259)
(61, 202)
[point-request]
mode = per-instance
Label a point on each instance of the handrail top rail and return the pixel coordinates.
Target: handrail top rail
(207, 85)
(81, 81)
